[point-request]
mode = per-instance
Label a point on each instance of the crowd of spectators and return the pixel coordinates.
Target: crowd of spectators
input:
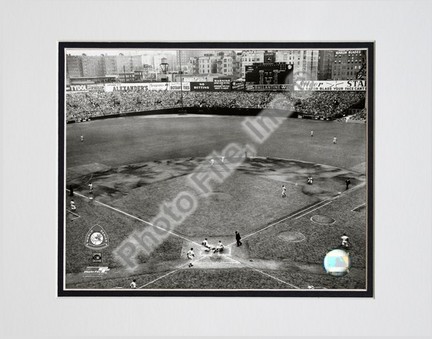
(329, 104)
(359, 116)
(85, 105)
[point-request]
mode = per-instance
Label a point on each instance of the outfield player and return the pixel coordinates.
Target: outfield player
(283, 191)
(310, 180)
(312, 133)
(90, 185)
(190, 255)
(82, 138)
(211, 162)
(334, 140)
(72, 206)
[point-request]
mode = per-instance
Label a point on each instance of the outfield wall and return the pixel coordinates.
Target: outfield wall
(224, 84)
(202, 110)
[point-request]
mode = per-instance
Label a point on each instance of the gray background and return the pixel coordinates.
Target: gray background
(28, 169)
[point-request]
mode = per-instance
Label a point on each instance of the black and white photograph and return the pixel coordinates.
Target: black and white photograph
(217, 169)
(226, 168)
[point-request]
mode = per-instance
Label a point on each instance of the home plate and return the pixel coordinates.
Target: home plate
(208, 259)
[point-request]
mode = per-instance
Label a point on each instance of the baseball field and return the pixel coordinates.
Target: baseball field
(135, 164)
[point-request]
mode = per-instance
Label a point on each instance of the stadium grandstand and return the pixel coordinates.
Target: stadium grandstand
(84, 105)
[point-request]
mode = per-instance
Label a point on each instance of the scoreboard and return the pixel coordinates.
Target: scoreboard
(269, 73)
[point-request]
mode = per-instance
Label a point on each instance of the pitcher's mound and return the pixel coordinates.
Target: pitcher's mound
(292, 236)
(322, 219)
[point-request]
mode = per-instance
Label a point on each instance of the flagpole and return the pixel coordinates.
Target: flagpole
(181, 81)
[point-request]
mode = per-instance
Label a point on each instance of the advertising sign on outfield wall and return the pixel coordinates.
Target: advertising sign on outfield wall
(330, 85)
(201, 86)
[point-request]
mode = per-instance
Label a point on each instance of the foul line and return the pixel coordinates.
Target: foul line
(305, 211)
(353, 210)
(266, 274)
(169, 273)
(153, 281)
(237, 261)
(302, 215)
(139, 219)
(269, 275)
(281, 220)
(77, 216)
(308, 209)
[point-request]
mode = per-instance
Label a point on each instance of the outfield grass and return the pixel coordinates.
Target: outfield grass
(116, 142)
(136, 163)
